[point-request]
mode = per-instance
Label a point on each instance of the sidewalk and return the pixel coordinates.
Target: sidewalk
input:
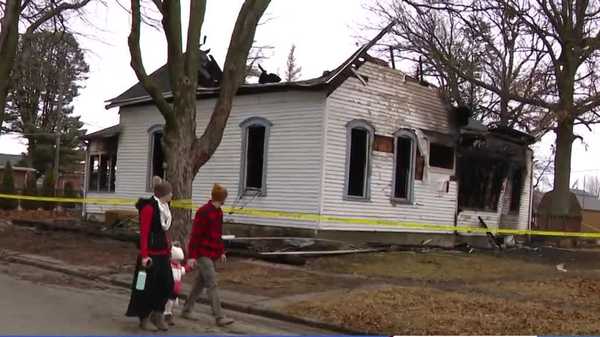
(269, 307)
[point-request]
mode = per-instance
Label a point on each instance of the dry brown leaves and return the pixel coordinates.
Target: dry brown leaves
(422, 311)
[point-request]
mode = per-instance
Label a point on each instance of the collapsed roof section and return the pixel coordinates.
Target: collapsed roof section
(210, 75)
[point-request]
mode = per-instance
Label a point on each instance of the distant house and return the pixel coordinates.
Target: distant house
(21, 174)
(590, 209)
(361, 141)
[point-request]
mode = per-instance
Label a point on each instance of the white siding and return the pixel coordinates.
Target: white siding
(293, 159)
(132, 156)
(389, 103)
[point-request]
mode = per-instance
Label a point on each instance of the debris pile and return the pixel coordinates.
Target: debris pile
(292, 250)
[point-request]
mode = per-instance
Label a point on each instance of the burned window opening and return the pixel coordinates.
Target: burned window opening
(517, 182)
(102, 172)
(255, 140)
(441, 156)
(158, 158)
(358, 166)
(481, 181)
(360, 136)
(484, 163)
(403, 168)
(255, 154)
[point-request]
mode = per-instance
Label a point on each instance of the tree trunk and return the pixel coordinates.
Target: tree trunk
(9, 38)
(562, 167)
(177, 143)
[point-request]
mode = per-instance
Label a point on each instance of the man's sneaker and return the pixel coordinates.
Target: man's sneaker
(224, 321)
(158, 320)
(146, 325)
(169, 319)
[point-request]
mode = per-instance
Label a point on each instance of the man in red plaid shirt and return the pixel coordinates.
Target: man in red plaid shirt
(205, 247)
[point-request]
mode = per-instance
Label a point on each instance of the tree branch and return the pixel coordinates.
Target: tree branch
(233, 71)
(172, 25)
(53, 12)
(197, 12)
(138, 66)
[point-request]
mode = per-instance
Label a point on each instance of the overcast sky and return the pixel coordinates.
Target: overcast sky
(324, 32)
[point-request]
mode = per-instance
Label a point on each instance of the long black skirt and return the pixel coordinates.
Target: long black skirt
(159, 286)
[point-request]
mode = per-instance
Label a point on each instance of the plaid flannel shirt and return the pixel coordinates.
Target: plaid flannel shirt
(207, 229)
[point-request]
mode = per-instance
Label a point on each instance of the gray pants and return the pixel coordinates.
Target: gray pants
(207, 278)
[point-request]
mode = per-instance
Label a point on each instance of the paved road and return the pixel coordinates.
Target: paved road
(34, 301)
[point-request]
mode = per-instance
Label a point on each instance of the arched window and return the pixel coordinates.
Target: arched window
(156, 160)
(255, 144)
(359, 140)
(404, 166)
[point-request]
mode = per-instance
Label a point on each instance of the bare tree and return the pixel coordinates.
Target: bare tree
(256, 55)
(440, 43)
(543, 166)
(592, 186)
(185, 152)
(558, 48)
(34, 15)
(292, 69)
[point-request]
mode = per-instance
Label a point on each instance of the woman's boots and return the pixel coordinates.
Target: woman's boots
(145, 324)
(157, 318)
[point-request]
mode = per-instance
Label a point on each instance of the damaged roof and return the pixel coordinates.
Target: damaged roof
(329, 80)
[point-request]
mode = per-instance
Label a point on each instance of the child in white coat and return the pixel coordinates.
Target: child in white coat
(178, 271)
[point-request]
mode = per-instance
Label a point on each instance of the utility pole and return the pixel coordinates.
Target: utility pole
(57, 134)
(56, 161)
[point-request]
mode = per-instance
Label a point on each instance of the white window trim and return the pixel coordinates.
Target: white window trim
(405, 133)
(149, 167)
(365, 125)
(243, 190)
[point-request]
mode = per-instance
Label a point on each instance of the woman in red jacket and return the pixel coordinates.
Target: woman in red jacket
(155, 250)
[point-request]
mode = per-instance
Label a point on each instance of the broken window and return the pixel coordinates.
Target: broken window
(255, 154)
(359, 138)
(156, 160)
(516, 182)
(103, 169)
(403, 166)
(94, 169)
(441, 156)
(255, 133)
(480, 182)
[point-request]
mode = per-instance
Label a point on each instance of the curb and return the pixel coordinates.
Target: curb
(14, 257)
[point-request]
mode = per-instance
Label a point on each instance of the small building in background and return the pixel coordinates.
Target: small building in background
(21, 174)
(590, 210)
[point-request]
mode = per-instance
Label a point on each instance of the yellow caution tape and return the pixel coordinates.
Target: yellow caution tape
(189, 204)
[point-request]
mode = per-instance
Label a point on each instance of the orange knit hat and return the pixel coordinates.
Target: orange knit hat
(219, 193)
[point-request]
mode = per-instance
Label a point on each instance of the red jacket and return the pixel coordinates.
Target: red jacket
(205, 239)
(146, 215)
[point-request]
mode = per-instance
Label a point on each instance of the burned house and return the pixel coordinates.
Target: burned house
(362, 141)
